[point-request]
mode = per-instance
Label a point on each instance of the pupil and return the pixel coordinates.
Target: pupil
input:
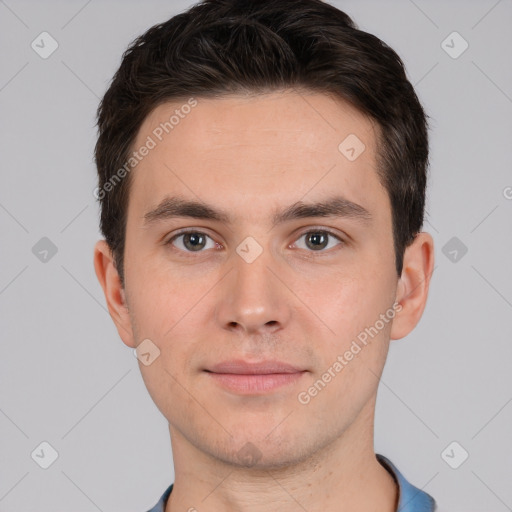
(318, 240)
(193, 241)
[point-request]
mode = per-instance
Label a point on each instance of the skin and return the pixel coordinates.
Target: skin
(250, 155)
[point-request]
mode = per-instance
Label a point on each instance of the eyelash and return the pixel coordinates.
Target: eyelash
(310, 231)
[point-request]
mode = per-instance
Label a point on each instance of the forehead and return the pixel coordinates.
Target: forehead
(304, 119)
(256, 149)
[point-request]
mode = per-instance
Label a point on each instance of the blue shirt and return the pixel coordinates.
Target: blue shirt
(410, 498)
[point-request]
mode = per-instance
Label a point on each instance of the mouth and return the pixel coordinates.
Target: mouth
(244, 377)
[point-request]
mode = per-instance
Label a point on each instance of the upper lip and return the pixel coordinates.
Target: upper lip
(241, 367)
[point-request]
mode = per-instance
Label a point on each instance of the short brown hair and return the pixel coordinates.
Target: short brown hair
(220, 47)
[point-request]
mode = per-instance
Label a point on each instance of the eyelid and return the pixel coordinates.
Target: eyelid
(185, 231)
(320, 229)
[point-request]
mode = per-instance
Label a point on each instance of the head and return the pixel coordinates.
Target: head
(304, 148)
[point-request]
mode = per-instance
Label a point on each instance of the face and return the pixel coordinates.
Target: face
(250, 284)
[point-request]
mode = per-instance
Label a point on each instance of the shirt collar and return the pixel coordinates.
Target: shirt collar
(410, 498)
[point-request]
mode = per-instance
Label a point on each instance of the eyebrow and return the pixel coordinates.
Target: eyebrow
(337, 206)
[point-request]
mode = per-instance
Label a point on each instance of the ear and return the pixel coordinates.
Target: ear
(413, 285)
(108, 277)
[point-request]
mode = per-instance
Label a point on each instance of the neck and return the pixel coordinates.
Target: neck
(341, 476)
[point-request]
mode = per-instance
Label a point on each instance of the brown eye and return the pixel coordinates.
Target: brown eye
(191, 241)
(317, 241)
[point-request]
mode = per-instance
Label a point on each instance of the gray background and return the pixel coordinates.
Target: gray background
(67, 379)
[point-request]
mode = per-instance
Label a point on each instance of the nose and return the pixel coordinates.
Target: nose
(252, 299)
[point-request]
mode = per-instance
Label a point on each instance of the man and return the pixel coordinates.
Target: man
(262, 170)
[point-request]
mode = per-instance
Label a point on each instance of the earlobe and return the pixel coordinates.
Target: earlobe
(115, 295)
(413, 285)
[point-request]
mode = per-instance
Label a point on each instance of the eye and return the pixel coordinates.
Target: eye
(192, 241)
(196, 241)
(318, 240)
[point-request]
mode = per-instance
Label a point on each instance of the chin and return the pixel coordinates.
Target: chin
(260, 453)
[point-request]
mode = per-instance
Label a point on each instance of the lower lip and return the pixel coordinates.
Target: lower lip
(247, 384)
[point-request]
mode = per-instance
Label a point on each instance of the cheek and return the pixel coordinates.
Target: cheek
(352, 307)
(158, 300)
(168, 311)
(345, 302)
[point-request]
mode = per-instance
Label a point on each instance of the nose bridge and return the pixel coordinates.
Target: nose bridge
(253, 298)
